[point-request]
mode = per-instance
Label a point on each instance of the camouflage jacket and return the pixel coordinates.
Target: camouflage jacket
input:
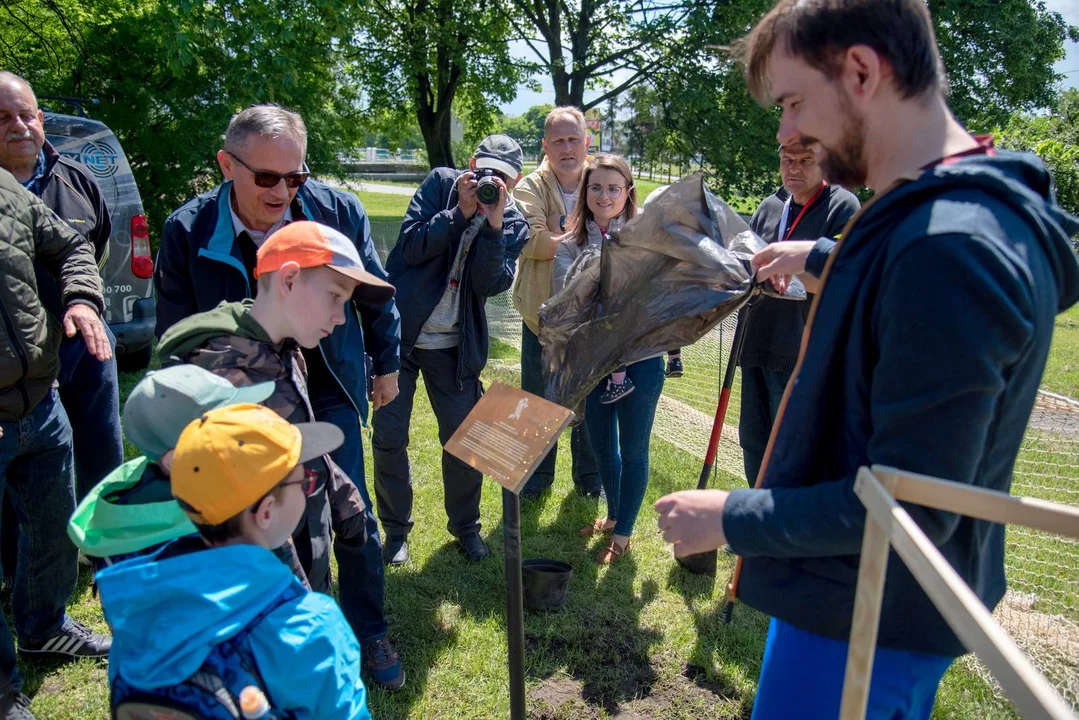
(247, 361)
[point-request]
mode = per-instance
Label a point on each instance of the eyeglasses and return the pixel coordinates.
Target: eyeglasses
(267, 179)
(614, 191)
(308, 483)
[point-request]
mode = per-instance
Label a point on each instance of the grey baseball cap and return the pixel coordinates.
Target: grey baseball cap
(167, 401)
(501, 153)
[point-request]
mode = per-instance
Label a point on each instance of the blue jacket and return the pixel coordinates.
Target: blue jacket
(925, 350)
(419, 265)
(199, 265)
(166, 615)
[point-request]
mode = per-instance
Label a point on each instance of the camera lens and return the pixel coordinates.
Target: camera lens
(487, 191)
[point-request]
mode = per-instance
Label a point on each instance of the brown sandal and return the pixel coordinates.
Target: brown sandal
(611, 553)
(596, 528)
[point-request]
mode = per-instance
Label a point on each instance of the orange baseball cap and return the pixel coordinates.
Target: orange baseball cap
(232, 456)
(311, 244)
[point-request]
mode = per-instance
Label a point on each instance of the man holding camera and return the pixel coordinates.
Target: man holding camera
(458, 246)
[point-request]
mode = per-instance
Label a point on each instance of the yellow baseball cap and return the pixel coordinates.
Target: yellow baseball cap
(232, 456)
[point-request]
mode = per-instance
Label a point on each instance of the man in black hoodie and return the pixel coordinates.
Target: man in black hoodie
(924, 350)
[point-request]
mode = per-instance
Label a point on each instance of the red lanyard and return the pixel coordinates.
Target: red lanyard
(804, 208)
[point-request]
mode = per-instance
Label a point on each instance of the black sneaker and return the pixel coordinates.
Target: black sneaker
(74, 640)
(15, 706)
(473, 547)
(674, 368)
(383, 664)
(616, 391)
(395, 551)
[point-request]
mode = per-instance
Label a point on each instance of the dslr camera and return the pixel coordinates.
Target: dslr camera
(486, 187)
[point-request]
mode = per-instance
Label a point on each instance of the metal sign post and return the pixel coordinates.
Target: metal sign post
(515, 614)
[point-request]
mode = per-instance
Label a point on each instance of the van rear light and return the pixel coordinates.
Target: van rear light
(142, 262)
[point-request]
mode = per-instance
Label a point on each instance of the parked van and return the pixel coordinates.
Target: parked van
(127, 275)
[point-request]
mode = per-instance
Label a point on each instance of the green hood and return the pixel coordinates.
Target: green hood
(225, 319)
(101, 528)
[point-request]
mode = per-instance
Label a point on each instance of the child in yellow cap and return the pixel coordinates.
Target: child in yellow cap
(218, 611)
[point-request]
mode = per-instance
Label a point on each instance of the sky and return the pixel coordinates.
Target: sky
(526, 98)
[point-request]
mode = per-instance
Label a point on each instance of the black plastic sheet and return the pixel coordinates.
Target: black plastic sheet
(663, 281)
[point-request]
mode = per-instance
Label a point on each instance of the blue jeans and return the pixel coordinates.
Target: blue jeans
(37, 473)
(620, 435)
(462, 485)
(585, 473)
(802, 676)
(91, 396)
(361, 585)
(762, 391)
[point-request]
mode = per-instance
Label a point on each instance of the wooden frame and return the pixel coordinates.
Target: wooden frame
(888, 526)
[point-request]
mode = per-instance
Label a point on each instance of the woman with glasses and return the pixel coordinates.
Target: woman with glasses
(620, 431)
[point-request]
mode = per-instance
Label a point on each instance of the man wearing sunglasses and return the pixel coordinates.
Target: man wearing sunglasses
(208, 255)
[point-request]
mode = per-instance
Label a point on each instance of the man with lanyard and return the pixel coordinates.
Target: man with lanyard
(924, 351)
(208, 255)
(88, 387)
(806, 207)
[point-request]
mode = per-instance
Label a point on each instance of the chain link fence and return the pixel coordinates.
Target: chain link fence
(1041, 608)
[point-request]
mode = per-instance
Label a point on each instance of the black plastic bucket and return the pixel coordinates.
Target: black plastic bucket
(546, 583)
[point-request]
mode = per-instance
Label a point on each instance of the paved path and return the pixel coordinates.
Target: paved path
(373, 187)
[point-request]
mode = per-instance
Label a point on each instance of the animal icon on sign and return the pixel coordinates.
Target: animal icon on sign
(521, 405)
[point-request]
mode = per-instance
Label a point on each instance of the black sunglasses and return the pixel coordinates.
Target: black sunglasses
(308, 483)
(267, 179)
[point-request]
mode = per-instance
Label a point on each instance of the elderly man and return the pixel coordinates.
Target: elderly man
(546, 197)
(805, 208)
(455, 250)
(36, 467)
(208, 253)
(88, 386)
(928, 339)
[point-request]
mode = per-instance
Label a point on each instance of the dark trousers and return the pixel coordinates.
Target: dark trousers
(621, 436)
(37, 474)
(585, 473)
(762, 391)
(90, 394)
(393, 477)
(360, 582)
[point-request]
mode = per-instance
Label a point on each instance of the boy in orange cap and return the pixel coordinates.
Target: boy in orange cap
(307, 275)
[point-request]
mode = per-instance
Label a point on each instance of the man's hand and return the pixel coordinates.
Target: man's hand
(84, 319)
(466, 194)
(780, 260)
(385, 391)
(692, 520)
(494, 212)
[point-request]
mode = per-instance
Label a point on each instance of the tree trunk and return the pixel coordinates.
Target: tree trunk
(436, 138)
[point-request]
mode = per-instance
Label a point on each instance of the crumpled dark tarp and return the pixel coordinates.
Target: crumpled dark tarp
(663, 281)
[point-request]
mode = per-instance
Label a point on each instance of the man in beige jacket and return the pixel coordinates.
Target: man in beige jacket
(546, 197)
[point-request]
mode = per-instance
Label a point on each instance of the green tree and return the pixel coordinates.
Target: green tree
(581, 45)
(433, 58)
(169, 75)
(526, 129)
(998, 54)
(1055, 139)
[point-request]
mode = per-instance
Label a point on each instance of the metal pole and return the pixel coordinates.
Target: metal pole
(515, 614)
